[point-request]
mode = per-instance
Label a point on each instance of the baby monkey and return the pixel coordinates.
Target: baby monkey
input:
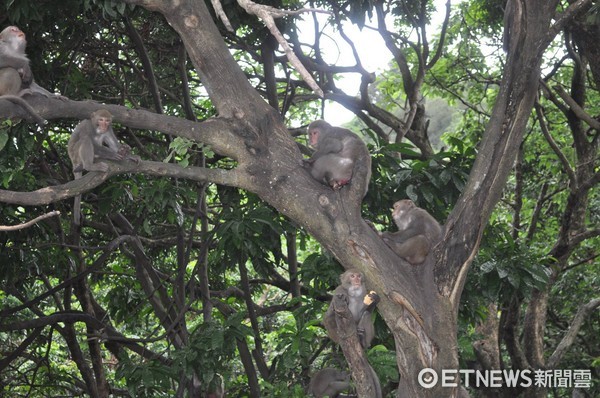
(93, 141)
(417, 232)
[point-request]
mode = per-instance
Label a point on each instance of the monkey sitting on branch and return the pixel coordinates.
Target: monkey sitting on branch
(360, 303)
(16, 79)
(418, 232)
(92, 141)
(348, 314)
(338, 152)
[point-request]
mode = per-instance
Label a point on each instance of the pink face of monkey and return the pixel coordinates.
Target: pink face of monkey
(15, 37)
(103, 124)
(102, 121)
(355, 279)
(313, 137)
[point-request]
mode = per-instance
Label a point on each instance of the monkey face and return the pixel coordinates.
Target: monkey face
(355, 278)
(14, 36)
(102, 119)
(313, 137)
(102, 125)
(401, 207)
(18, 33)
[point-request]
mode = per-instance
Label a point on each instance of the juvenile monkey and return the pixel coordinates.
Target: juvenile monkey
(360, 304)
(328, 382)
(337, 154)
(417, 232)
(94, 139)
(15, 74)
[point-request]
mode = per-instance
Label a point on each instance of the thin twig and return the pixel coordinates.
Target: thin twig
(29, 223)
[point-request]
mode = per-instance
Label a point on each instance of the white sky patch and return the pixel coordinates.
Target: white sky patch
(374, 55)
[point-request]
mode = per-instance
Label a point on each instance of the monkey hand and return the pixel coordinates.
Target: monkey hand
(123, 152)
(308, 162)
(26, 76)
(371, 300)
(338, 184)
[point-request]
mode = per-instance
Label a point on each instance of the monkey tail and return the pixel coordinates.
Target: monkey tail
(378, 393)
(20, 101)
(77, 204)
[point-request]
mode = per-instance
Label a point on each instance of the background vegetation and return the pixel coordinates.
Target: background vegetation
(173, 281)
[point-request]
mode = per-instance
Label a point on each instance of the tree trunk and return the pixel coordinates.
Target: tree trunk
(418, 303)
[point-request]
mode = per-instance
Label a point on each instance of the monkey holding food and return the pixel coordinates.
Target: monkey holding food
(337, 153)
(360, 304)
(418, 232)
(92, 141)
(328, 382)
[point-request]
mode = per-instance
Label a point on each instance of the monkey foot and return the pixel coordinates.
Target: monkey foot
(339, 184)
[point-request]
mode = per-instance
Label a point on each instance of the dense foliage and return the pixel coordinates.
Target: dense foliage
(173, 282)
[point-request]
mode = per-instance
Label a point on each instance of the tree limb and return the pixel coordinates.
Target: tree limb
(267, 15)
(579, 112)
(44, 196)
(561, 156)
(29, 223)
(571, 334)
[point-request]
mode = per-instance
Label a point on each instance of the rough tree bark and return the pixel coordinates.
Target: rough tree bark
(419, 304)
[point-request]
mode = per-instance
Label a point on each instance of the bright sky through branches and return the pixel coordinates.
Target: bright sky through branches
(373, 53)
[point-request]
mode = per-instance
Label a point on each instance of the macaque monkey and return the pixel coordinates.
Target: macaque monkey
(417, 232)
(218, 387)
(328, 382)
(337, 152)
(15, 73)
(92, 140)
(360, 304)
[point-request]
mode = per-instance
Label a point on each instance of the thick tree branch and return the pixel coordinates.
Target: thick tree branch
(566, 342)
(218, 133)
(497, 149)
(91, 180)
(65, 317)
(578, 110)
(567, 16)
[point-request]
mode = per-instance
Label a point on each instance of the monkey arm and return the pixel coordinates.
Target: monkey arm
(26, 76)
(11, 61)
(327, 145)
(370, 301)
(341, 318)
(110, 140)
(125, 153)
(415, 228)
(102, 152)
(35, 88)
